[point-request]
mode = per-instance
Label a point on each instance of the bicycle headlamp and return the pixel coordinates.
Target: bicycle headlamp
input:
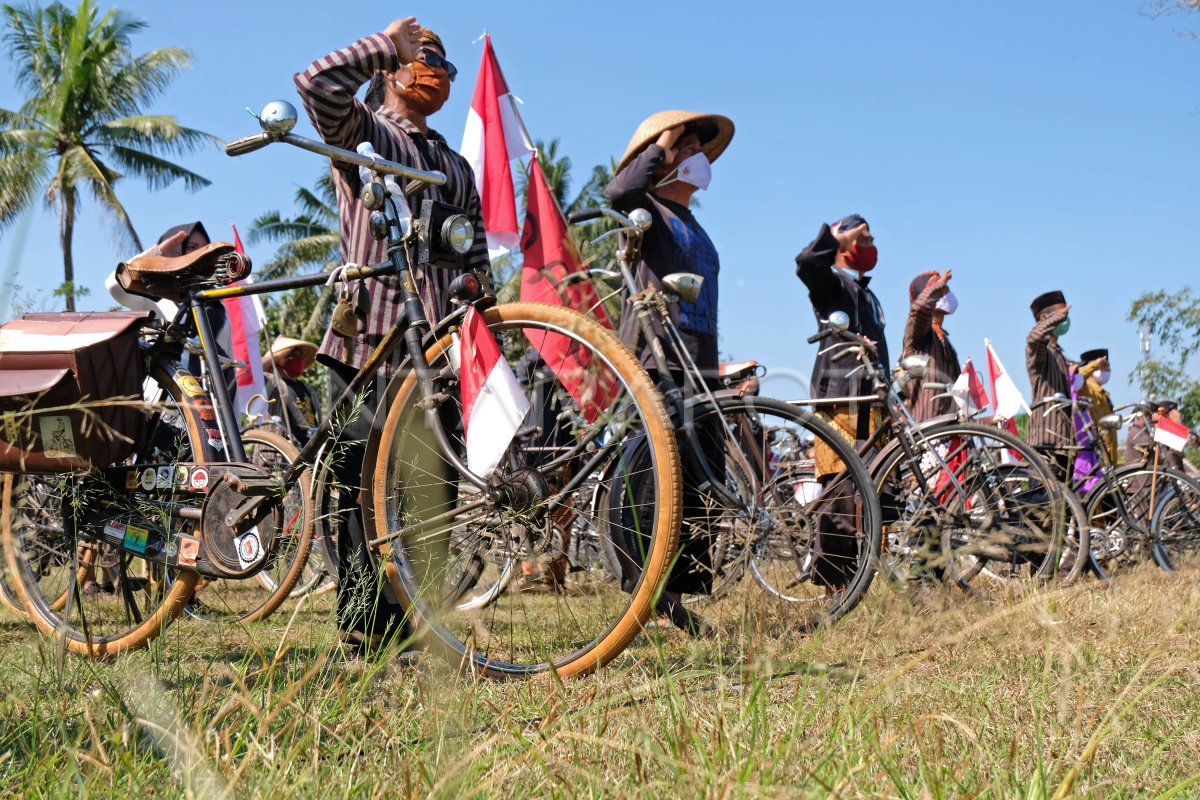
(446, 234)
(458, 234)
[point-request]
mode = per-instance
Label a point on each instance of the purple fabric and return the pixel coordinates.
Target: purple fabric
(1086, 473)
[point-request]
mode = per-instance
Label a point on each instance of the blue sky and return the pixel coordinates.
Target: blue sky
(1028, 146)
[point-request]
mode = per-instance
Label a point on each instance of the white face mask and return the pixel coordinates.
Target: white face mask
(948, 303)
(1102, 376)
(695, 170)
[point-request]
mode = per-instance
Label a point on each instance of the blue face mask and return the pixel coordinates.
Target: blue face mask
(1062, 327)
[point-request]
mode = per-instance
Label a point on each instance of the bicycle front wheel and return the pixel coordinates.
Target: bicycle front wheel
(452, 552)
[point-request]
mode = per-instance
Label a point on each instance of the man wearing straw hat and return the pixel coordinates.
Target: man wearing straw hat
(288, 398)
(667, 161)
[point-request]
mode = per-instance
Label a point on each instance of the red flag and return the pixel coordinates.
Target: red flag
(246, 319)
(493, 404)
(550, 263)
(550, 258)
(493, 137)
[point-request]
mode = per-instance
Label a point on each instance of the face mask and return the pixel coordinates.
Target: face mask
(429, 90)
(695, 170)
(862, 257)
(1061, 328)
(293, 367)
(1102, 376)
(948, 303)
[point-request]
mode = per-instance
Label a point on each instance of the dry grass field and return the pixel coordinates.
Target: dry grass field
(1089, 690)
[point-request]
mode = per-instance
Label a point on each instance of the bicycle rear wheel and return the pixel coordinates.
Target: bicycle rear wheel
(588, 394)
(1000, 513)
(96, 600)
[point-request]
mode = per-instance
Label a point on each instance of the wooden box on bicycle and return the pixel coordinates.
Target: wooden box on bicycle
(70, 390)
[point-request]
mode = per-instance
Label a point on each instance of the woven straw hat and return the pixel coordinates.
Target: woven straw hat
(280, 348)
(653, 126)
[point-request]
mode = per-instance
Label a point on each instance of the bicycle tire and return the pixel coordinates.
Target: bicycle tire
(1175, 526)
(1122, 529)
(987, 538)
(161, 609)
(461, 641)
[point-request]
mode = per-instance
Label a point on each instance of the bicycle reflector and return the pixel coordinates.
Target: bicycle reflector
(446, 234)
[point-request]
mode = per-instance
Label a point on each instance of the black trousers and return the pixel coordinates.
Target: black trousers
(366, 606)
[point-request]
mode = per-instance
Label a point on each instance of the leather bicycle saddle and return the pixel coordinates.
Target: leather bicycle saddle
(737, 370)
(165, 277)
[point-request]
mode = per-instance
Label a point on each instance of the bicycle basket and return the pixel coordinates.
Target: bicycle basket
(70, 390)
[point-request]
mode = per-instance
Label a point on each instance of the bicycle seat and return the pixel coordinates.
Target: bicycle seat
(164, 277)
(737, 370)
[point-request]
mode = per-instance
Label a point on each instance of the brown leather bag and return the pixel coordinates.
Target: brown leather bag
(70, 390)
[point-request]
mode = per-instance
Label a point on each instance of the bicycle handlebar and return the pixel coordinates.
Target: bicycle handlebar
(585, 215)
(277, 120)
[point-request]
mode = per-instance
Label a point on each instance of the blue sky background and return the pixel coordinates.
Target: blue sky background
(1027, 145)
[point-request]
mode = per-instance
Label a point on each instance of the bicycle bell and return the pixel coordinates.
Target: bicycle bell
(839, 321)
(640, 217)
(277, 117)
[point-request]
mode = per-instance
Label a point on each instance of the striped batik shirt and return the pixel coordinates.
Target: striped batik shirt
(327, 89)
(921, 338)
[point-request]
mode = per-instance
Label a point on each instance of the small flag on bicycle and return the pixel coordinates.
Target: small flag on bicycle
(494, 136)
(1170, 433)
(493, 405)
(246, 318)
(968, 392)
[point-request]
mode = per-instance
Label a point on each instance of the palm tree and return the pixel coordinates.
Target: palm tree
(81, 126)
(312, 238)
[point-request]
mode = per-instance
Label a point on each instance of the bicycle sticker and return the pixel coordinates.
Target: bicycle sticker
(199, 480)
(181, 476)
(115, 530)
(205, 409)
(189, 384)
(189, 550)
(131, 479)
(135, 538)
(148, 478)
(58, 441)
(249, 549)
(172, 549)
(165, 476)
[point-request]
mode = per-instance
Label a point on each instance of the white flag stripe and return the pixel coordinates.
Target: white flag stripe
(496, 415)
(1171, 434)
(472, 147)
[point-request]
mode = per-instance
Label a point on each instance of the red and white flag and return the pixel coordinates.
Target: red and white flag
(246, 318)
(968, 392)
(495, 136)
(1007, 400)
(1170, 433)
(492, 401)
(552, 272)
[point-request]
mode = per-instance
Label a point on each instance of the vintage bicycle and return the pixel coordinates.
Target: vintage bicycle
(183, 499)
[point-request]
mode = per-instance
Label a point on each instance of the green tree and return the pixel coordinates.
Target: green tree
(81, 127)
(308, 242)
(1173, 318)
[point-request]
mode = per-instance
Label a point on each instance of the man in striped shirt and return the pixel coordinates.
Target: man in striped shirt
(410, 81)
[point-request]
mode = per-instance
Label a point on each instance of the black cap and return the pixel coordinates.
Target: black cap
(1044, 301)
(848, 223)
(1088, 356)
(1168, 405)
(189, 229)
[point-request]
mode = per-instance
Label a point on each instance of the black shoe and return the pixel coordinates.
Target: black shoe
(692, 624)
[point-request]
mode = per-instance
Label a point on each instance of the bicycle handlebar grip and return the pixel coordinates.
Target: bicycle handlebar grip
(247, 144)
(586, 215)
(816, 337)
